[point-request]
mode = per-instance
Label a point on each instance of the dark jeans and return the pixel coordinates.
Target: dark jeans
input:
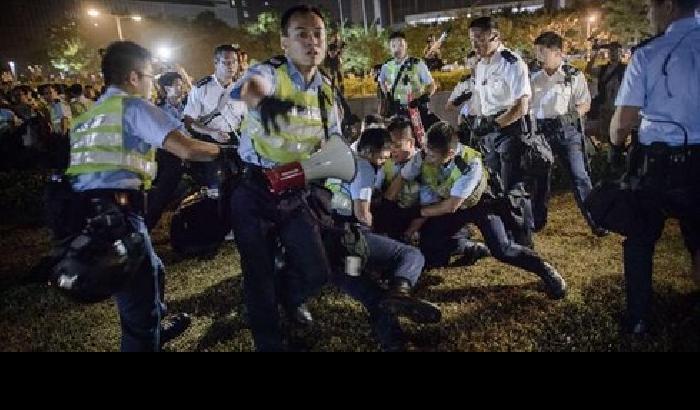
(569, 147)
(395, 260)
(255, 213)
(658, 205)
(437, 243)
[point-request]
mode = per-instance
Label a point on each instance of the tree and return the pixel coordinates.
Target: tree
(626, 20)
(68, 51)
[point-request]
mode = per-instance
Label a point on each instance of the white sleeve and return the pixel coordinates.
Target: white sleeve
(519, 80)
(193, 109)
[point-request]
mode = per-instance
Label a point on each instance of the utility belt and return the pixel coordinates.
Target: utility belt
(66, 210)
(486, 124)
(315, 198)
(129, 201)
(552, 125)
(671, 166)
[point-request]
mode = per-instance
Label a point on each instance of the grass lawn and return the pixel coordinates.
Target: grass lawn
(488, 307)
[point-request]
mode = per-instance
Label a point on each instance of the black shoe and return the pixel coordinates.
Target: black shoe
(174, 327)
(555, 284)
(400, 302)
(473, 252)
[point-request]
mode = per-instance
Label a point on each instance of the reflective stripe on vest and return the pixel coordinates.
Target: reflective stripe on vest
(410, 191)
(97, 144)
(414, 86)
(342, 200)
(302, 136)
(431, 177)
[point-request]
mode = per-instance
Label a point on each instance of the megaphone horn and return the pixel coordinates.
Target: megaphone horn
(335, 160)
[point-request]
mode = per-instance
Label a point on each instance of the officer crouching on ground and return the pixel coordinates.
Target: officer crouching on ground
(292, 113)
(560, 99)
(455, 191)
(397, 262)
(661, 85)
(112, 161)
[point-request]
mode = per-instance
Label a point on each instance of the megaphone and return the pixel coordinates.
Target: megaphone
(335, 160)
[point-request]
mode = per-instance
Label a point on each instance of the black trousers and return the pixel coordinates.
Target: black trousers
(437, 243)
(255, 214)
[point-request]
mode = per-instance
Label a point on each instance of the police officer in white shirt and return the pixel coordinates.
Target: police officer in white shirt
(210, 113)
(503, 84)
(560, 98)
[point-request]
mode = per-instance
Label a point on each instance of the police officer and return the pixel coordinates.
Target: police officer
(403, 77)
(292, 113)
(210, 113)
(503, 85)
(112, 159)
(560, 98)
(405, 262)
(455, 191)
(658, 86)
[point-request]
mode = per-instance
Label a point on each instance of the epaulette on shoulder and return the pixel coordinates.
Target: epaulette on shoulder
(646, 42)
(465, 78)
(276, 62)
(204, 81)
(509, 56)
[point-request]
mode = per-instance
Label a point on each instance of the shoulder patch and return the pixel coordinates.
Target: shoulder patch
(204, 81)
(276, 62)
(509, 56)
(646, 42)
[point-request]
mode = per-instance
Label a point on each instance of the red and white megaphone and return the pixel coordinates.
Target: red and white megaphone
(335, 160)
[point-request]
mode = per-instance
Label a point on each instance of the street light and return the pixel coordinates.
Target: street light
(164, 53)
(589, 22)
(118, 18)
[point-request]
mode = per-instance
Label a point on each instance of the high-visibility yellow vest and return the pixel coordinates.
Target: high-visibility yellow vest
(432, 177)
(98, 144)
(302, 136)
(414, 86)
(410, 191)
(342, 200)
